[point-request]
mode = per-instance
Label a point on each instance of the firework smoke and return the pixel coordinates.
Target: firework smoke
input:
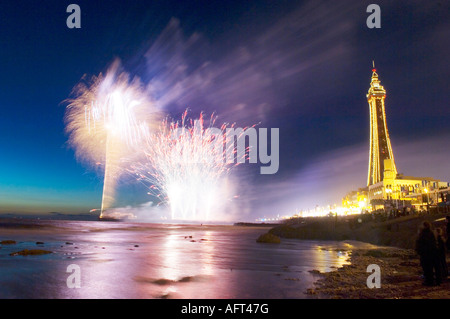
(106, 121)
(185, 167)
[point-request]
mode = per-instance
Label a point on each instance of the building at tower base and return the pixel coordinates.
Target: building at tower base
(398, 191)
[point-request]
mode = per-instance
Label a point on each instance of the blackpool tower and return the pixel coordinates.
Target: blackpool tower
(380, 144)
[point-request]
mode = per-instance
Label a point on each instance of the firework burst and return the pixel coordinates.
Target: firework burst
(186, 167)
(106, 121)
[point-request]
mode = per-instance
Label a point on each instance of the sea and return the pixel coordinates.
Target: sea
(126, 260)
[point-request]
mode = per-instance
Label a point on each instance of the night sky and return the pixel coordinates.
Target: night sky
(301, 66)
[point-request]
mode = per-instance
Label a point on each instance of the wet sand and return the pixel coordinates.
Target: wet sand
(399, 264)
(126, 260)
(153, 261)
(400, 278)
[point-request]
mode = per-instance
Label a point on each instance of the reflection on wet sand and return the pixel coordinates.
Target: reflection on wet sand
(122, 260)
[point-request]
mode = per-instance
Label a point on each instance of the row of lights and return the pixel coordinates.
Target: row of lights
(320, 212)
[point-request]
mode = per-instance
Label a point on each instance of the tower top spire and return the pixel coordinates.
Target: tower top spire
(375, 84)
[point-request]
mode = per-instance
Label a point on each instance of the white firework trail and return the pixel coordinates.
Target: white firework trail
(186, 167)
(106, 121)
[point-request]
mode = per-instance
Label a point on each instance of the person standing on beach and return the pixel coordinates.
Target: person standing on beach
(441, 242)
(426, 247)
(448, 232)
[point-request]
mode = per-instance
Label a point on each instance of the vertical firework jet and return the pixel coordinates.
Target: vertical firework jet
(106, 120)
(185, 167)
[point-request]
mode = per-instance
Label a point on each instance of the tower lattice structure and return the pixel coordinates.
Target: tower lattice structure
(380, 144)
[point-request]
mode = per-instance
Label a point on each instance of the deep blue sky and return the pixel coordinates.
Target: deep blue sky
(301, 66)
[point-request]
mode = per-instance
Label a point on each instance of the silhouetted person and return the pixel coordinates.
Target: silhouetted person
(426, 247)
(448, 232)
(442, 252)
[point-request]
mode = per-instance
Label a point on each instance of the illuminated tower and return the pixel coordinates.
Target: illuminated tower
(380, 144)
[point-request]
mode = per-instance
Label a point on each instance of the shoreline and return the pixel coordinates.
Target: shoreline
(230, 256)
(399, 264)
(400, 267)
(400, 232)
(400, 278)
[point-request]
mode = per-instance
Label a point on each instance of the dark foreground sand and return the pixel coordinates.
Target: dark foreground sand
(400, 278)
(399, 264)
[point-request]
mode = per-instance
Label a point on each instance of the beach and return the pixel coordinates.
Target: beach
(158, 261)
(400, 278)
(172, 261)
(400, 270)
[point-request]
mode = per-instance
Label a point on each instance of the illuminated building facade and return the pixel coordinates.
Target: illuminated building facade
(399, 191)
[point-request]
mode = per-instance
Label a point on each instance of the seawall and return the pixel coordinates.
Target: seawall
(399, 232)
